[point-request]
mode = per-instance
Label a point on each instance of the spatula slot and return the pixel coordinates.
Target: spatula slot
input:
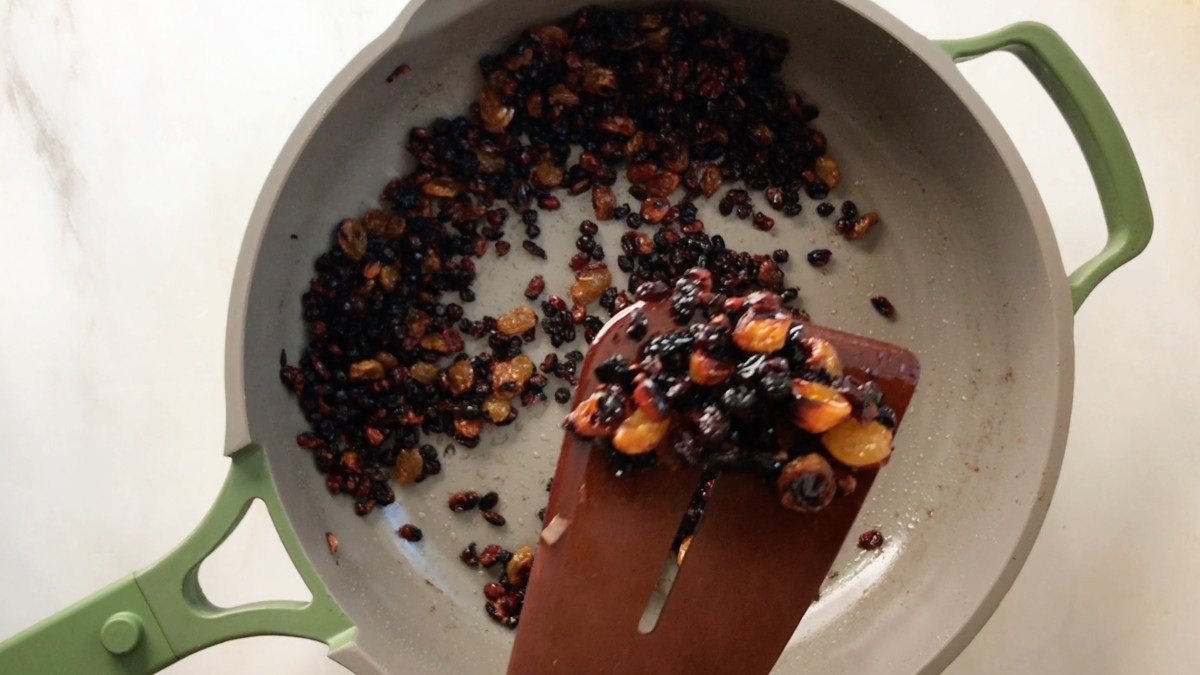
(688, 526)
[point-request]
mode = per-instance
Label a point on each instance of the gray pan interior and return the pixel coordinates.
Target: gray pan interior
(964, 251)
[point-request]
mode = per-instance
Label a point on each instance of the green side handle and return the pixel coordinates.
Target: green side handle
(152, 618)
(1113, 167)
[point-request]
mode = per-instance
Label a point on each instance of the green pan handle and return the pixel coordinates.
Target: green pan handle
(1105, 147)
(150, 619)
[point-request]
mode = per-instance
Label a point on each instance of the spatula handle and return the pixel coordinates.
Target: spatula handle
(150, 619)
(1099, 134)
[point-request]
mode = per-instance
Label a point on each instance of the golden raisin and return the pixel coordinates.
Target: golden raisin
(509, 377)
(683, 549)
(387, 360)
(707, 370)
(489, 162)
(654, 209)
(598, 80)
(409, 465)
(551, 36)
(640, 173)
(582, 420)
(828, 171)
(432, 262)
(603, 201)
(375, 222)
(443, 186)
(618, 125)
(461, 376)
(396, 226)
(816, 407)
(518, 565)
(638, 433)
(822, 354)
(389, 276)
(761, 334)
(435, 342)
(806, 484)
(352, 238)
(663, 184)
(559, 94)
(516, 321)
(858, 445)
(417, 322)
(862, 225)
(710, 180)
(368, 369)
(492, 111)
(423, 372)
(373, 435)
(548, 174)
(590, 284)
(496, 408)
(466, 428)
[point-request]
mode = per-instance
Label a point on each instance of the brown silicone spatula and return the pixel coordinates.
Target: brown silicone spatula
(751, 571)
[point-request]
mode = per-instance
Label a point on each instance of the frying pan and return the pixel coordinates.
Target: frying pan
(965, 252)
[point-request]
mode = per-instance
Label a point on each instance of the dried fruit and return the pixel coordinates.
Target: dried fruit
(822, 354)
(654, 209)
(489, 500)
(490, 555)
(817, 407)
(603, 201)
(410, 532)
(588, 420)
(761, 334)
(862, 225)
(638, 433)
(443, 186)
(424, 372)
(858, 445)
(460, 376)
(466, 428)
(494, 113)
(548, 174)
(408, 466)
(828, 171)
(496, 408)
(590, 283)
(883, 306)
(368, 369)
(516, 321)
(519, 564)
(708, 370)
(806, 484)
(463, 501)
(352, 239)
(683, 549)
(331, 541)
(870, 540)
(534, 288)
(509, 377)
(819, 257)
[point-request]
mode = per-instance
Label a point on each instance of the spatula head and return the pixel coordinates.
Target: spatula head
(750, 573)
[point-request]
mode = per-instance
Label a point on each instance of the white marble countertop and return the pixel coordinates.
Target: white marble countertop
(134, 138)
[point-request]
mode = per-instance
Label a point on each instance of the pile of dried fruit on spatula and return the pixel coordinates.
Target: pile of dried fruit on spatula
(793, 419)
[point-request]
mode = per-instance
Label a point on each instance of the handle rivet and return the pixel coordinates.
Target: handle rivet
(122, 632)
